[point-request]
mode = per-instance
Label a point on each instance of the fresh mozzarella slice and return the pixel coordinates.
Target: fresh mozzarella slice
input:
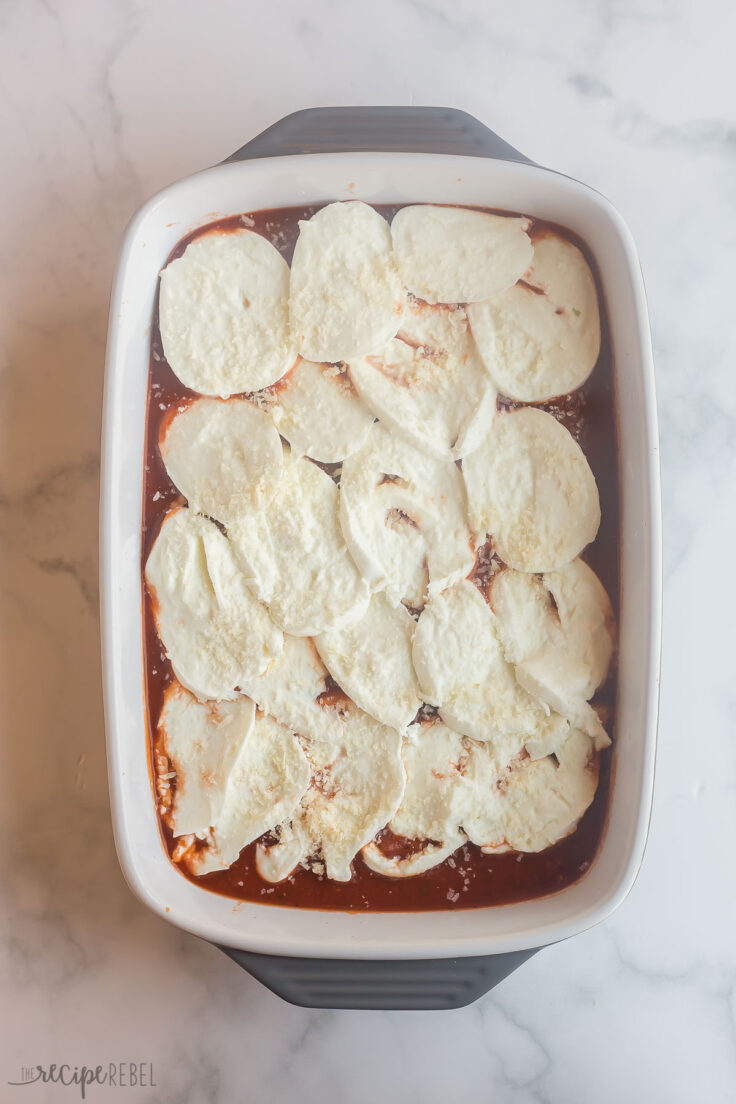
(455, 255)
(403, 518)
(319, 412)
(536, 802)
(461, 668)
(450, 782)
(408, 866)
(525, 616)
(346, 295)
(294, 554)
(203, 741)
(264, 786)
(371, 660)
(357, 790)
(558, 631)
(216, 634)
(530, 487)
(541, 337)
(223, 313)
(586, 622)
(435, 759)
(290, 688)
(429, 384)
(542, 687)
(275, 862)
(224, 456)
(358, 781)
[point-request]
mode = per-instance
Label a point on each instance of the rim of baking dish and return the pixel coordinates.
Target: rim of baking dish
(336, 934)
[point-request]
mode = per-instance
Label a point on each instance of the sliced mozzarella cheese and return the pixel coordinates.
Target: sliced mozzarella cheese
(429, 384)
(275, 862)
(357, 790)
(294, 555)
(486, 771)
(224, 456)
(346, 295)
(586, 622)
(455, 255)
(461, 668)
(536, 802)
(215, 632)
(319, 412)
(530, 487)
(371, 660)
(408, 866)
(403, 518)
(223, 313)
(541, 337)
(289, 689)
(543, 684)
(435, 759)
(450, 793)
(203, 741)
(264, 786)
(525, 616)
(357, 784)
(558, 631)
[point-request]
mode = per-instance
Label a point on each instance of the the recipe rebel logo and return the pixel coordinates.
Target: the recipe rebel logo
(117, 1075)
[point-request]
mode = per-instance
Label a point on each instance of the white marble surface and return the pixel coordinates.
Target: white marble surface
(102, 103)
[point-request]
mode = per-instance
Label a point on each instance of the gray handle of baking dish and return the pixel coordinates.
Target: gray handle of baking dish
(363, 983)
(379, 129)
(410, 984)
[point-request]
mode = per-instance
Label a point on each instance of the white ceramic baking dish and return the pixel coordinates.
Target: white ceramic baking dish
(478, 169)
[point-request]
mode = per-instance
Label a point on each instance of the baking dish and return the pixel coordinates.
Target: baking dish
(386, 155)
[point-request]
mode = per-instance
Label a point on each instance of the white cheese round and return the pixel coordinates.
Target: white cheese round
(203, 741)
(288, 690)
(357, 784)
(435, 758)
(461, 668)
(531, 489)
(294, 555)
(225, 456)
(536, 802)
(566, 657)
(264, 787)
(346, 295)
(319, 412)
(223, 314)
(541, 337)
(403, 515)
(456, 255)
(215, 632)
(429, 384)
(370, 659)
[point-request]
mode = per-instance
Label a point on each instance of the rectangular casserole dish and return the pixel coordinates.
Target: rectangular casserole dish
(382, 166)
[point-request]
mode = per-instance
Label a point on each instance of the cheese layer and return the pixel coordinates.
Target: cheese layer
(223, 314)
(403, 515)
(531, 489)
(215, 632)
(456, 255)
(346, 294)
(371, 660)
(429, 384)
(541, 337)
(224, 456)
(319, 412)
(294, 555)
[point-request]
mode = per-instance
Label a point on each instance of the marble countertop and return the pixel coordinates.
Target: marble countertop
(103, 104)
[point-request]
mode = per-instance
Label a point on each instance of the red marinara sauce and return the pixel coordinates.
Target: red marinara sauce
(469, 879)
